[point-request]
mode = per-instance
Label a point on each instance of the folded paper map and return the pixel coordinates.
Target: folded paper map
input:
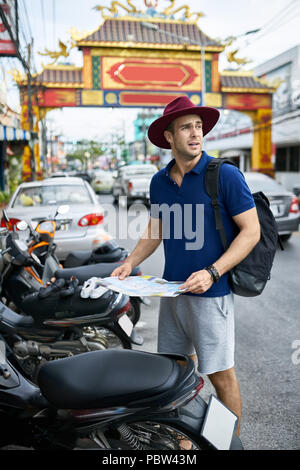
(136, 286)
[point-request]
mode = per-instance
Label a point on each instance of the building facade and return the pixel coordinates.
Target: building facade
(233, 137)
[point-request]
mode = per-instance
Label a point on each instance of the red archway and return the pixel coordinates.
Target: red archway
(143, 61)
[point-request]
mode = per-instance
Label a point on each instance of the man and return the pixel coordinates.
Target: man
(200, 322)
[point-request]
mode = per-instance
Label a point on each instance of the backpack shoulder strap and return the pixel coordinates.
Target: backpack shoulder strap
(212, 188)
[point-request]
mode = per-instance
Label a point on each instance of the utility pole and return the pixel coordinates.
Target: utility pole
(27, 67)
(44, 146)
(30, 114)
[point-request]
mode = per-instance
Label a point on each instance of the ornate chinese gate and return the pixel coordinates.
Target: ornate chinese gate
(145, 59)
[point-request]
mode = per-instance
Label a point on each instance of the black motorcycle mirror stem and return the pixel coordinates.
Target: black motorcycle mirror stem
(5, 216)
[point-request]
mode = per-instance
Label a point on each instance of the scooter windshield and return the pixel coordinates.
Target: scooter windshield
(48, 227)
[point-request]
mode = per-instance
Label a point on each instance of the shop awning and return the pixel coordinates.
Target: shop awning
(11, 133)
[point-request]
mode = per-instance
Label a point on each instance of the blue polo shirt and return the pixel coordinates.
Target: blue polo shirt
(191, 241)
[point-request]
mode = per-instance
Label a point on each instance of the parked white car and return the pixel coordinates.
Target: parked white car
(133, 181)
(102, 181)
(284, 204)
(81, 228)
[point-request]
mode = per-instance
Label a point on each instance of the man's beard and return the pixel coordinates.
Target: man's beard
(189, 157)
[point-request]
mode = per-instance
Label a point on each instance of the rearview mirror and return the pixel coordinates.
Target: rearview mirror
(63, 209)
(22, 225)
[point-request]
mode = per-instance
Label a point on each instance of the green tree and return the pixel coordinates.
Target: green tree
(95, 149)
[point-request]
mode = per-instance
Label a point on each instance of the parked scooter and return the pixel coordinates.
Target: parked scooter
(41, 247)
(41, 243)
(42, 335)
(130, 400)
(58, 321)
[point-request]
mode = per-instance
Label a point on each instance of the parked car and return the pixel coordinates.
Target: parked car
(296, 190)
(284, 204)
(133, 181)
(59, 174)
(81, 228)
(85, 175)
(102, 181)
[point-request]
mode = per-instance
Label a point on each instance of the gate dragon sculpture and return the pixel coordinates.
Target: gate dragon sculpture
(170, 11)
(114, 8)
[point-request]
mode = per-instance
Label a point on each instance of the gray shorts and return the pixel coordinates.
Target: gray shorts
(202, 325)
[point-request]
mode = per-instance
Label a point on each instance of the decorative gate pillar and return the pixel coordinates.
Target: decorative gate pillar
(261, 157)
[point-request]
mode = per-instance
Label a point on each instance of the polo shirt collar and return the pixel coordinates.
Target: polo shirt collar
(197, 169)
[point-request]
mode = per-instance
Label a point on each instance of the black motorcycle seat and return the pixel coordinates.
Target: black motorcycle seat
(12, 320)
(77, 258)
(107, 378)
(112, 257)
(56, 307)
(83, 258)
(83, 273)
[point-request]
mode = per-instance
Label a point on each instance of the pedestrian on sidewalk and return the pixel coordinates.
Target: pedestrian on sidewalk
(199, 322)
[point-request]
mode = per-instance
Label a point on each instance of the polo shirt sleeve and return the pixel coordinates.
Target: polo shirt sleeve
(235, 191)
(154, 197)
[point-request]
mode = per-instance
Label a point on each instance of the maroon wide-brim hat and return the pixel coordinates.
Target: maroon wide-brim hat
(180, 106)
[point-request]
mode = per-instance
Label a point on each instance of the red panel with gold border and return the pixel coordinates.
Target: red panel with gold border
(58, 98)
(150, 74)
(247, 101)
(145, 99)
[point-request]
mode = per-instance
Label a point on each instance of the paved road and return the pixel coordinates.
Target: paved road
(268, 367)
(266, 329)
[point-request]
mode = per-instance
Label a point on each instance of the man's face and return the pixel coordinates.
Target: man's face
(187, 136)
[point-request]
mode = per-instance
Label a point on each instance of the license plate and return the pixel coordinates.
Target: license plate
(2, 352)
(126, 324)
(64, 226)
(219, 424)
(277, 209)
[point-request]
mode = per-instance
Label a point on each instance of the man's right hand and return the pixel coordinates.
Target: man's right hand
(123, 271)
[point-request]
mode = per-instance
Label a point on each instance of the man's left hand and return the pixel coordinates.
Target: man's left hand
(198, 282)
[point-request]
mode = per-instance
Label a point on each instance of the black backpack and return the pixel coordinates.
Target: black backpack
(250, 276)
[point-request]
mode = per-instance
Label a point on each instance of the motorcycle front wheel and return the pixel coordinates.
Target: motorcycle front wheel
(134, 312)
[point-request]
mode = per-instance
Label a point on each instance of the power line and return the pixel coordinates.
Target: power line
(280, 22)
(21, 30)
(253, 127)
(284, 10)
(284, 16)
(44, 22)
(24, 29)
(53, 21)
(13, 39)
(27, 18)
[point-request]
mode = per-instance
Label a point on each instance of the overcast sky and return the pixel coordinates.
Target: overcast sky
(50, 20)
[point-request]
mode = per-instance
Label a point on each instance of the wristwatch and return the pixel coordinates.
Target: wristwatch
(213, 272)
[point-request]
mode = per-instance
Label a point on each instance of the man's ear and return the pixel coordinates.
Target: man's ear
(167, 136)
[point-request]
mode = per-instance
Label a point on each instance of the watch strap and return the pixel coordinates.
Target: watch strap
(213, 272)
